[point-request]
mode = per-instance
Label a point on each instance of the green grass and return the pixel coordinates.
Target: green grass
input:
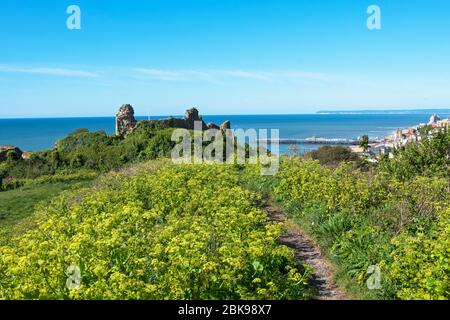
(17, 206)
(351, 287)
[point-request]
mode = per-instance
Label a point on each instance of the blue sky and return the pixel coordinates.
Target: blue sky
(223, 56)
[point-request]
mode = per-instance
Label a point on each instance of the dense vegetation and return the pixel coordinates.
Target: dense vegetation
(85, 153)
(167, 232)
(397, 217)
(431, 157)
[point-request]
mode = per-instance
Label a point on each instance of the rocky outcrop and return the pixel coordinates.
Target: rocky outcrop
(12, 151)
(125, 121)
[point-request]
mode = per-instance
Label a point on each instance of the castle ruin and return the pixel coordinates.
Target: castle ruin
(126, 122)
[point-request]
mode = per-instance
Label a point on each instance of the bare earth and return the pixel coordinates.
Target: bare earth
(307, 252)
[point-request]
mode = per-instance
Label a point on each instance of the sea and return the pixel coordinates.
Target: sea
(33, 134)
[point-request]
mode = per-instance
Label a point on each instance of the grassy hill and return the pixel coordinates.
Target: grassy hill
(138, 227)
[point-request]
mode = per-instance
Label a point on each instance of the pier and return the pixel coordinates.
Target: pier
(313, 140)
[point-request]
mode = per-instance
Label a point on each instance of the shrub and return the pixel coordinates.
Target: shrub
(95, 151)
(431, 157)
(421, 266)
(333, 155)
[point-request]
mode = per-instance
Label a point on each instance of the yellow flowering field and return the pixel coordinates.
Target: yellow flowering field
(167, 232)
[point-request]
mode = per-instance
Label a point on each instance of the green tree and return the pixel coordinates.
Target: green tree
(364, 142)
(333, 156)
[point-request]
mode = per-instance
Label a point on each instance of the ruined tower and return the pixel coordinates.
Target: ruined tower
(125, 121)
(191, 116)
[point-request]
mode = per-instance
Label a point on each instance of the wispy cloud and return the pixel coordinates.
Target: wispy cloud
(244, 74)
(218, 75)
(169, 75)
(62, 72)
(307, 75)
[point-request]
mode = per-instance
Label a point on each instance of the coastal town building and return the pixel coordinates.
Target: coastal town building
(437, 123)
(445, 123)
(434, 119)
(414, 134)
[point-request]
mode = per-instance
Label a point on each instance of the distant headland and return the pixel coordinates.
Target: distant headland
(388, 111)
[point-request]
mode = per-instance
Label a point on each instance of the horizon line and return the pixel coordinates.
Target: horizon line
(319, 112)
